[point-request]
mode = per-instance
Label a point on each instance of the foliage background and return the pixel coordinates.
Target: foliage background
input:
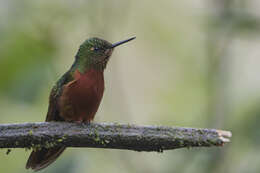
(194, 63)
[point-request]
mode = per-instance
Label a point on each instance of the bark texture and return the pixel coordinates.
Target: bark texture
(108, 135)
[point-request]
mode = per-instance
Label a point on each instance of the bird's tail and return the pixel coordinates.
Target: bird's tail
(42, 158)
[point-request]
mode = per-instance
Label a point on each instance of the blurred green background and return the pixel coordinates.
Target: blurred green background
(194, 63)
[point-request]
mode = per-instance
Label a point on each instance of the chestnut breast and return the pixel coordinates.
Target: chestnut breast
(81, 97)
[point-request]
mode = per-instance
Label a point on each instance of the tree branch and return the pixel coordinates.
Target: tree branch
(108, 135)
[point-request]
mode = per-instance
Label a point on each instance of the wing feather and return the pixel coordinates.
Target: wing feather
(56, 92)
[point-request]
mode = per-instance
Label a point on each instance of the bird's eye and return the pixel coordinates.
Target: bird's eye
(94, 49)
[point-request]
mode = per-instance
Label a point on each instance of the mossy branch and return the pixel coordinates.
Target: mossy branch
(108, 135)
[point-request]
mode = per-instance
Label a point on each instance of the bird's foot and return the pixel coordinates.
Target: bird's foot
(87, 122)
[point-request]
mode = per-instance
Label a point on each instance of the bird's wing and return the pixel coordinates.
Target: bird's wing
(42, 158)
(53, 110)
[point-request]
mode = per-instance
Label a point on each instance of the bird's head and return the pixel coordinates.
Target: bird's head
(95, 52)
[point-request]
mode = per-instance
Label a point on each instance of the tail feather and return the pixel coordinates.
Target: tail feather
(42, 158)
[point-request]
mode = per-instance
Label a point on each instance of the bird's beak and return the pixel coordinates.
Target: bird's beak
(122, 42)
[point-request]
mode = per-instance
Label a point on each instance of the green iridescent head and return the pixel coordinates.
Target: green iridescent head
(95, 53)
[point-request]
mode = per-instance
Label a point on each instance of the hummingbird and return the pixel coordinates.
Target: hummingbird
(76, 96)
